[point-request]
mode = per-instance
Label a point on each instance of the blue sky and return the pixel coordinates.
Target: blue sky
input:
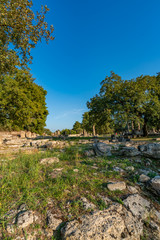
(91, 39)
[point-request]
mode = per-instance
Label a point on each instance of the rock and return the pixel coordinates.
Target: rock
(133, 190)
(89, 153)
(150, 150)
(116, 186)
(110, 224)
(139, 206)
(143, 178)
(22, 134)
(130, 168)
(24, 219)
(28, 135)
(129, 152)
(86, 204)
(22, 207)
(155, 230)
(155, 184)
(49, 160)
(102, 149)
(120, 170)
(52, 221)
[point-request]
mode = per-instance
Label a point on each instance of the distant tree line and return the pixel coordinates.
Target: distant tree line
(124, 105)
(22, 101)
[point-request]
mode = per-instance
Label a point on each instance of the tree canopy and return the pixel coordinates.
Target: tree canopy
(20, 30)
(121, 104)
(77, 127)
(22, 102)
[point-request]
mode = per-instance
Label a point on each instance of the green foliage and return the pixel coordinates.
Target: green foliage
(22, 103)
(87, 122)
(47, 131)
(77, 127)
(122, 103)
(20, 30)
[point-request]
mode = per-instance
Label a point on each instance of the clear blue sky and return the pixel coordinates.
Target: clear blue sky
(93, 37)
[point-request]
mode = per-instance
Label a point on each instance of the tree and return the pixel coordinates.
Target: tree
(77, 127)
(122, 104)
(22, 103)
(86, 122)
(20, 30)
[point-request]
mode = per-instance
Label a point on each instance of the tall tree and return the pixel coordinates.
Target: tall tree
(22, 102)
(121, 103)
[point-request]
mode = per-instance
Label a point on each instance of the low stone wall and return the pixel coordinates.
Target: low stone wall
(16, 134)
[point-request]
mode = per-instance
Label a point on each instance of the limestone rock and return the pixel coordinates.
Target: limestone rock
(49, 160)
(150, 150)
(133, 190)
(110, 224)
(155, 184)
(116, 186)
(52, 221)
(143, 178)
(129, 152)
(24, 219)
(28, 135)
(102, 149)
(139, 206)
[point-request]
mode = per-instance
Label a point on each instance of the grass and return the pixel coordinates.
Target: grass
(25, 180)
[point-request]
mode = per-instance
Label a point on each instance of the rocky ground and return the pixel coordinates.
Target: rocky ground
(79, 189)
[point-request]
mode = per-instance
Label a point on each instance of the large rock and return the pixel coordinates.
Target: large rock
(155, 184)
(116, 186)
(112, 223)
(139, 206)
(143, 178)
(150, 150)
(28, 135)
(128, 152)
(24, 219)
(102, 149)
(53, 221)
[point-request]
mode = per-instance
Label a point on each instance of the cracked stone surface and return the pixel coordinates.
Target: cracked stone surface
(24, 219)
(139, 206)
(113, 223)
(53, 221)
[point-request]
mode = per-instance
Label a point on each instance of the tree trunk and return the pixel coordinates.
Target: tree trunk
(139, 127)
(94, 130)
(132, 126)
(85, 134)
(145, 131)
